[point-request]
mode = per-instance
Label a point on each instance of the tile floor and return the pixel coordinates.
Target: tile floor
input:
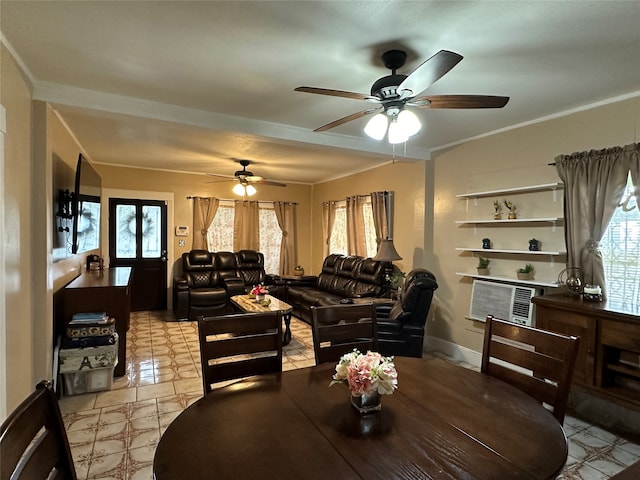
(113, 434)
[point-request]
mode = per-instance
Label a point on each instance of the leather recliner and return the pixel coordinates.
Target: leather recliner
(208, 280)
(401, 333)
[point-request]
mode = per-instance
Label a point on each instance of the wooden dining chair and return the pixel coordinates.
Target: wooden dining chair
(538, 362)
(33, 441)
(238, 346)
(338, 329)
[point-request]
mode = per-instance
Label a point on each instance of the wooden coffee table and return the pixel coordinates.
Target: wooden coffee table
(248, 304)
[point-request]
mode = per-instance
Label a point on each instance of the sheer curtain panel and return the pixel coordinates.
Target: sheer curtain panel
(355, 226)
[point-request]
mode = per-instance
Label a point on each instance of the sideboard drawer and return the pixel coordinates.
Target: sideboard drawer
(620, 334)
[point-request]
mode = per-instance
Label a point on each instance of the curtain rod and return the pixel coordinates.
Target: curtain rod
(359, 196)
(190, 197)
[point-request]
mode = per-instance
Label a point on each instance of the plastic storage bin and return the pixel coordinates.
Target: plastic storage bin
(88, 381)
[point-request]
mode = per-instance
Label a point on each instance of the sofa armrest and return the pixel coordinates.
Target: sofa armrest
(180, 284)
(234, 286)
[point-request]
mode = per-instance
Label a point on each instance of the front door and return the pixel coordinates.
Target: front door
(138, 239)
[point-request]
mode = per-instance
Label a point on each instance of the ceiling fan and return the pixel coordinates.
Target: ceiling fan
(245, 179)
(392, 93)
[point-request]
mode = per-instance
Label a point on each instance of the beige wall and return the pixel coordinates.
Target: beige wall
(407, 180)
(15, 96)
(514, 158)
(182, 185)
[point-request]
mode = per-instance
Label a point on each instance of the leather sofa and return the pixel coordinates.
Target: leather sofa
(342, 278)
(401, 327)
(210, 279)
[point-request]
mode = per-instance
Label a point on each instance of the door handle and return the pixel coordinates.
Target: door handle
(163, 256)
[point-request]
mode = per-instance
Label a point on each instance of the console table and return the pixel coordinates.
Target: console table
(103, 291)
(608, 361)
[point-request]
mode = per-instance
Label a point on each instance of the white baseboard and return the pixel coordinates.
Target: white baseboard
(458, 353)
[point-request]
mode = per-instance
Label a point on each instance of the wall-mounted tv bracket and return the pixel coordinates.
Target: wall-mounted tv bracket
(65, 209)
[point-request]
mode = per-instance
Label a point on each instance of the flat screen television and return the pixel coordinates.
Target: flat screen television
(86, 207)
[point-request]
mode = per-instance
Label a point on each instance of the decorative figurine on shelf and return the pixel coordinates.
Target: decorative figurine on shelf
(512, 210)
(483, 266)
(497, 213)
(298, 271)
(486, 243)
(534, 245)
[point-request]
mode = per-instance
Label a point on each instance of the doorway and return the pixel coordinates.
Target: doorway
(138, 239)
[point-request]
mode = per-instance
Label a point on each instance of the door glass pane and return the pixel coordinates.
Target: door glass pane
(125, 231)
(151, 231)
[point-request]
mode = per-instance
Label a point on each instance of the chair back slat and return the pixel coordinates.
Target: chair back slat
(338, 329)
(238, 346)
(538, 362)
(33, 441)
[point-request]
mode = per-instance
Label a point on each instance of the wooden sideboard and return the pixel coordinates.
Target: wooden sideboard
(608, 362)
(108, 291)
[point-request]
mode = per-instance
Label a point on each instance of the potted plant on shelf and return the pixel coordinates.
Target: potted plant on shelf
(526, 272)
(483, 266)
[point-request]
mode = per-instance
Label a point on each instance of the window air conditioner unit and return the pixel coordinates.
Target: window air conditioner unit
(504, 301)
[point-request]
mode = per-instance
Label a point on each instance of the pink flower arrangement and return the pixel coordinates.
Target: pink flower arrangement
(259, 290)
(366, 374)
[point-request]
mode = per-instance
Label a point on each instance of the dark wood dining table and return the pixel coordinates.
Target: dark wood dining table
(443, 422)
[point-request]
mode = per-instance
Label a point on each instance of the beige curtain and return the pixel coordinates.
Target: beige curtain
(204, 210)
(285, 213)
(355, 226)
(328, 217)
(246, 225)
(379, 208)
(594, 183)
(634, 168)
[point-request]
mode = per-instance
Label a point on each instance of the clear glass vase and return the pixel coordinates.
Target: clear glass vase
(366, 403)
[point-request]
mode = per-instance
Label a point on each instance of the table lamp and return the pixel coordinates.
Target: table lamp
(387, 253)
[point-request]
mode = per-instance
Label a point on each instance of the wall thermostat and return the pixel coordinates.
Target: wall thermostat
(182, 231)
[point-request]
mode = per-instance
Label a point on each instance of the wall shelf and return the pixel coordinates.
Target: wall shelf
(535, 283)
(513, 190)
(553, 220)
(515, 252)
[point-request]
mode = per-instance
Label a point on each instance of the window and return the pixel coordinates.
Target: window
(220, 233)
(620, 247)
(338, 242)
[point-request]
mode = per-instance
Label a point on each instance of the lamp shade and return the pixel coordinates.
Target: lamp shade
(250, 189)
(409, 122)
(387, 252)
(238, 189)
(376, 128)
(396, 132)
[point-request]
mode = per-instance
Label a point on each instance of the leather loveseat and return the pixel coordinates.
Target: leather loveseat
(210, 279)
(342, 277)
(401, 327)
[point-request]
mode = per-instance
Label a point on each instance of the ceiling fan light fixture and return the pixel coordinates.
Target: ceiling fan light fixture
(376, 128)
(396, 133)
(409, 122)
(242, 190)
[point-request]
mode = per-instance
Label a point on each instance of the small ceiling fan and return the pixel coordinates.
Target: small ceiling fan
(392, 93)
(245, 179)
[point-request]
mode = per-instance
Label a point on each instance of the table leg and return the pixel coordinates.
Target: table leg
(287, 330)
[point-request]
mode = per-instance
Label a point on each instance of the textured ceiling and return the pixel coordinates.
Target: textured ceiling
(188, 86)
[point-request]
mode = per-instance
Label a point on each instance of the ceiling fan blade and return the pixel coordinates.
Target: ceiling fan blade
(348, 118)
(253, 178)
(338, 93)
(459, 101)
(428, 73)
(226, 177)
(269, 182)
